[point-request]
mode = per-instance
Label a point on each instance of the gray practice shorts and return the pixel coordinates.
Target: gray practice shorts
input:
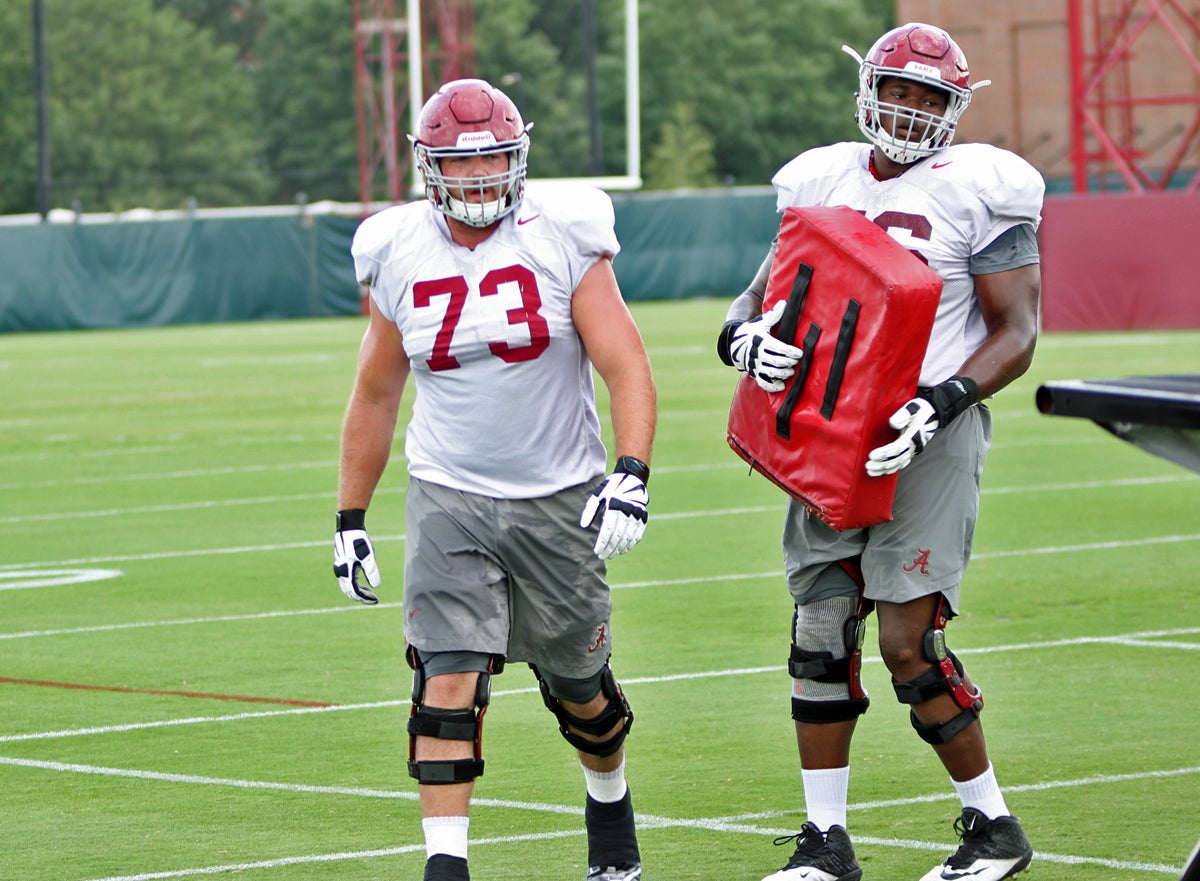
(512, 577)
(924, 549)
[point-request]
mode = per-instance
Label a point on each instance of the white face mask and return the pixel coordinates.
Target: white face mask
(447, 194)
(927, 132)
(921, 133)
(482, 211)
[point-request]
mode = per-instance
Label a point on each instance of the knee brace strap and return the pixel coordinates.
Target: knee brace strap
(942, 732)
(616, 710)
(439, 773)
(933, 682)
(824, 667)
(820, 712)
(945, 677)
(446, 725)
(818, 666)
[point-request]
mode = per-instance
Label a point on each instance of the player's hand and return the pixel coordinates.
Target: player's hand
(757, 353)
(919, 419)
(917, 422)
(621, 503)
(354, 557)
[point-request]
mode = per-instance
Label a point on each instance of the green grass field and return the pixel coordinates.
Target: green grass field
(185, 692)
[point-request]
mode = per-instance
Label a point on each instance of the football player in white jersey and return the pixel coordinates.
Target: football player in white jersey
(970, 212)
(499, 299)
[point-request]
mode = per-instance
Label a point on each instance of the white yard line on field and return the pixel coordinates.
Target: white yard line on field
(203, 504)
(173, 475)
(739, 825)
(731, 464)
(259, 360)
(1140, 639)
(159, 509)
(11, 570)
(166, 446)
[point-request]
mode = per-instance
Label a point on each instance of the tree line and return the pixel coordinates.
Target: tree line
(168, 103)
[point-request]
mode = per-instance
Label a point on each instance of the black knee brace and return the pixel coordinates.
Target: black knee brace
(822, 666)
(616, 711)
(446, 724)
(944, 677)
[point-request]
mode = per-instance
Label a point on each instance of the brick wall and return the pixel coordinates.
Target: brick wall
(1023, 47)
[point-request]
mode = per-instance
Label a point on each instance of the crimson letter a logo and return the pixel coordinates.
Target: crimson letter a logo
(920, 562)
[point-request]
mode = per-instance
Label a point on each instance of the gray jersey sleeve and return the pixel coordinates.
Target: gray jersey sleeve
(1013, 248)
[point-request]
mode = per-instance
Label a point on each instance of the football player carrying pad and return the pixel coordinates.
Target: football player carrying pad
(970, 212)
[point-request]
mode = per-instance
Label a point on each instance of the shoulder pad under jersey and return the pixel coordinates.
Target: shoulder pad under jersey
(1008, 185)
(806, 178)
(579, 214)
(384, 235)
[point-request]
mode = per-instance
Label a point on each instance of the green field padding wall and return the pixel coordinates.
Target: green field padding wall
(63, 276)
(1109, 262)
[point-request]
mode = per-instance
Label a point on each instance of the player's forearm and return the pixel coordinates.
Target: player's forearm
(748, 305)
(366, 446)
(1012, 334)
(1005, 356)
(633, 402)
(1009, 302)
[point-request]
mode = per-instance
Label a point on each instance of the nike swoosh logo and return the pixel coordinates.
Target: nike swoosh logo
(941, 164)
(524, 220)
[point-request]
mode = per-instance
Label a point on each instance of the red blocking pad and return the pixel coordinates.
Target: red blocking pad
(861, 306)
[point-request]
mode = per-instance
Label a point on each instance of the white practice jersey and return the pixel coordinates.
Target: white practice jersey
(505, 404)
(945, 208)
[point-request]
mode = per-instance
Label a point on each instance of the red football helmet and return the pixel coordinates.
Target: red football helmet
(924, 54)
(469, 118)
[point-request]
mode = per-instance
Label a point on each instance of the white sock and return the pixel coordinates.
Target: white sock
(825, 793)
(446, 835)
(605, 786)
(983, 793)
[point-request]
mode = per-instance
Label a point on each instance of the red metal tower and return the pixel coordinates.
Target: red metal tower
(446, 50)
(1105, 135)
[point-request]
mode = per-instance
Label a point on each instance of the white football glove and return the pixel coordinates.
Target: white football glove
(621, 503)
(354, 555)
(756, 352)
(919, 419)
(917, 422)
